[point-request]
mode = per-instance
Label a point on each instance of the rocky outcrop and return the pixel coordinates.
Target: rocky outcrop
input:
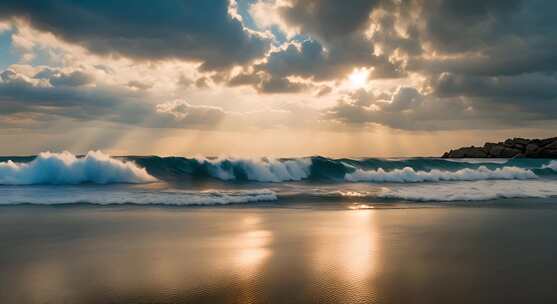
(515, 147)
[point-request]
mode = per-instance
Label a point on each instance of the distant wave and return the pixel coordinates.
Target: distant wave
(66, 168)
(409, 175)
(472, 191)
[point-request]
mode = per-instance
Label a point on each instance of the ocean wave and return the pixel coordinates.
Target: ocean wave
(472, 191)
(261, 170)
(409, 175)
(552, 165)
(67, 196)
(478, 160)
(96, 167)
(66, 168)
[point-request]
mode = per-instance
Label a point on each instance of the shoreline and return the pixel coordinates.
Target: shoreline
(232, 255)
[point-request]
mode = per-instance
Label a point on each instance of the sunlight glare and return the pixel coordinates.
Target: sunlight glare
(358, 78)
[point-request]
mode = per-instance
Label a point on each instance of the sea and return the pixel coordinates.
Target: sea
(99, 179)
(96, 228)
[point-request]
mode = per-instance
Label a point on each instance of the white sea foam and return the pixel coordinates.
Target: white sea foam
(262, 170)
(552, 165)
(472, 191)
(409, 175)
(478, 160)
(45, 195)
(66, 168)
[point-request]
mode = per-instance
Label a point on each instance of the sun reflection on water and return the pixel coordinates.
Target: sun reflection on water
(360, 207)
(251, 252)
(349, 252)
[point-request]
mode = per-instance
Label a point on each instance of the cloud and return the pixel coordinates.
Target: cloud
(324, 90)
(244, 79)
(73, 79)
(39, 99)
(335, 41)
(406, 108)
(138, 85)
(433, 64)
(328, 19)
(280, 85)
(183, 112)
(202, 31)
(202, 82)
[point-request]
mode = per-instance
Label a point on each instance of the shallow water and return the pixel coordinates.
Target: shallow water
(292, 254)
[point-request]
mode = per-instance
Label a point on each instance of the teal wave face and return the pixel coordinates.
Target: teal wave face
(95, 167)
(327, 169)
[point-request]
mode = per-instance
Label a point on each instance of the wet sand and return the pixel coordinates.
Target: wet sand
(277, 255)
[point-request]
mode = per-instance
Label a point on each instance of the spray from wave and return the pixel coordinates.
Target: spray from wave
(66, 168)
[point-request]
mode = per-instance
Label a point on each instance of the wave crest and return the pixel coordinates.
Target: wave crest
(261, 170)
(409, 175)
(66, 168)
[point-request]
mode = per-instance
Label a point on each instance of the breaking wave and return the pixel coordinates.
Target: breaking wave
(409, 175)
(262, 170)
(472, 191)
(66, 168)
(96, 167)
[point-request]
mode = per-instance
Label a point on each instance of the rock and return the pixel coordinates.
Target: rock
(531, 150)
(547, 152)
(495, 150)
(515, 147)
(468, 152)
(521, 141)
(508, 153)
(547, 141)
(552, 145)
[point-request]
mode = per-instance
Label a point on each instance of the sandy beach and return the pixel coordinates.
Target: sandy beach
(127, 254)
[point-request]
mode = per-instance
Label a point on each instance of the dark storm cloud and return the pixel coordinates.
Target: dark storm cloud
(494, 64)
(490, 37)
(336, 43)
(533, 87)
(312, 61)
(406, 108)
(151, 30)
(328, 19)
(483, 62)
(101, 103)
(456, 104)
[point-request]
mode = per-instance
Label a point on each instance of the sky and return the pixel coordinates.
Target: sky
(385, 78)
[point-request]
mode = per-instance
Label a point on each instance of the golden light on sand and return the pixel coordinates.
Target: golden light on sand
(254, 246)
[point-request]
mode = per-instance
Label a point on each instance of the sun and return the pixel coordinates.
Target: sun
(358, 78)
